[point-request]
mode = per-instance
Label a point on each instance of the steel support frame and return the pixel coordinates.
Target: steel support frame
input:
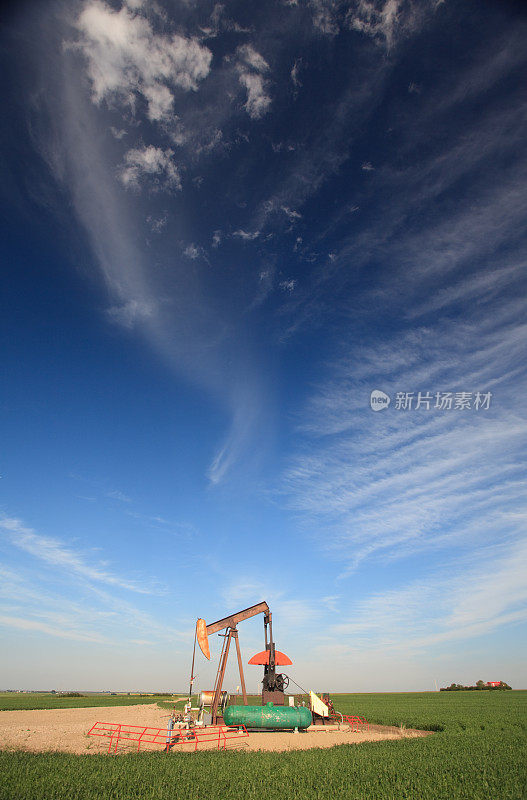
(222, 666)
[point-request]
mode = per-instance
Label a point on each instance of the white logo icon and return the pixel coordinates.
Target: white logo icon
(379, 400)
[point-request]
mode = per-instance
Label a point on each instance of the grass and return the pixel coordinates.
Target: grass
(32, 701)
(440, 711)
(478, 753)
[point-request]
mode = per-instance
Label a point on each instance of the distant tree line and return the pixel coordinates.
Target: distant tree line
(480, 686)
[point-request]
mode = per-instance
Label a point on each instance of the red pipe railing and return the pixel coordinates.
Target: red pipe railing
(120, 733)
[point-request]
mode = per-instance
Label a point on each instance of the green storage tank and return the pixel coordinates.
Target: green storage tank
(268, 716)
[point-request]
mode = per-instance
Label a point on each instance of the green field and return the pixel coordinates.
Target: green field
(478, 753)
(31, 701)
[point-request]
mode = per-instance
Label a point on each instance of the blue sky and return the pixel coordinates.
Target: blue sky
(224, 227)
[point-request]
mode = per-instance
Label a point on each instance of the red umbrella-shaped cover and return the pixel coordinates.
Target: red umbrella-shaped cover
(281, 660)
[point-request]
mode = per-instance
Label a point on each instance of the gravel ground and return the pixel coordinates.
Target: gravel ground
(67, 730)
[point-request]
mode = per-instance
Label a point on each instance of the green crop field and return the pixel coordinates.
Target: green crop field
(478, 753)
(32, 701)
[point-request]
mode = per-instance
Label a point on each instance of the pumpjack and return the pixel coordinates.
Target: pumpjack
(273, 684)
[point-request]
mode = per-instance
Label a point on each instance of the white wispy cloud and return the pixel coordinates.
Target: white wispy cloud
(315, 158)
(466, 599)
(326, 16)
(462, 240)
(251, 67)
(249, 56)
(127, 58)
(59, 631)
(131, 313)
(56, 554)
(157, 224)
(376, 19)
(292, 612)
(247, 236)
(291, 215)
(483, 287)
(71, 609)
(229, 452)
(295, 70)
(117, 133)
(193, 251)
(385, 21)
(218, 22)
(258, 101)
(140, 291)
(151, 162)
(488, 68)
(387, 484)
(115, 494)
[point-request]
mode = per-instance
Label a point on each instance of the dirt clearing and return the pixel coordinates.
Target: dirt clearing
(66, 730)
